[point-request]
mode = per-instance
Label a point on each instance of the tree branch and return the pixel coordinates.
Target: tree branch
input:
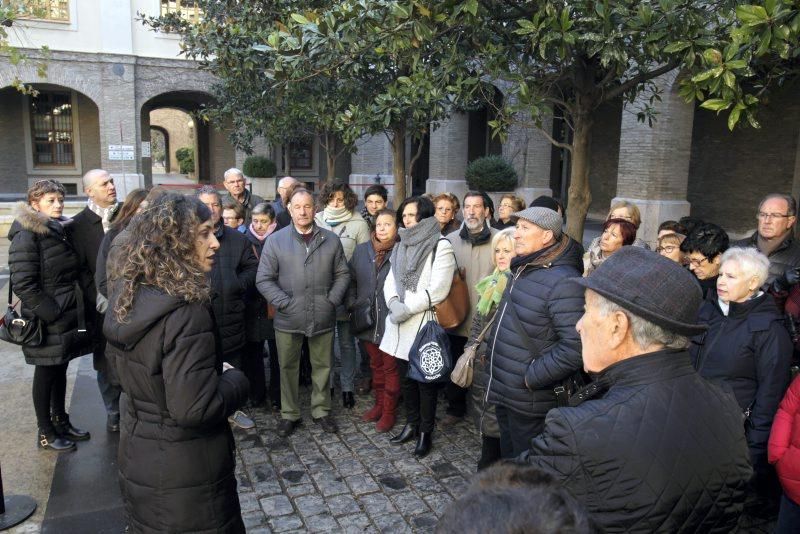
(559, 144)
(633, 82)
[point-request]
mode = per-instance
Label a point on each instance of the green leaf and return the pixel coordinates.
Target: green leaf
(300, 19)
(677, 46)
(733, 118)
(715, 104)
(750, 14)
(471, 6)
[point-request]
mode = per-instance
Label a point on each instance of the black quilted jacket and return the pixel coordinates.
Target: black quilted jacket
(233, 278)
(652, 447)
(176, 451)
(548, 308)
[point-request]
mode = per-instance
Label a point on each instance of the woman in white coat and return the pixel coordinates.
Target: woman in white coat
(422, 271)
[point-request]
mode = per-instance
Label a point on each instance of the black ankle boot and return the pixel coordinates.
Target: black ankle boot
(424, 443)
(64, 429)
(408, 433)
(348, 401)
(49, 440)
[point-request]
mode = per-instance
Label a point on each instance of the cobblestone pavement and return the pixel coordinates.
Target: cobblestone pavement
(353, 481)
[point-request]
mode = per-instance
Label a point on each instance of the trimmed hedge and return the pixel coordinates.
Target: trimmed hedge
(259, 167)
(185, 157)
(491, 174)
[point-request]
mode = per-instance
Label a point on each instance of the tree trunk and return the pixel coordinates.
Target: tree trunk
(286, 163)
(580, 194)
(399, 164)
(330, 157)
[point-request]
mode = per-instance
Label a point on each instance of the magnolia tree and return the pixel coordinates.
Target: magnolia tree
(10, 12)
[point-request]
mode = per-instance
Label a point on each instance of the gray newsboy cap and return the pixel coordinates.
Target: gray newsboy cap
(543, 218)
(651, 286)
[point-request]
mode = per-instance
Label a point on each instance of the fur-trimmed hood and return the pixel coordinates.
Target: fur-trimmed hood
(31, 220)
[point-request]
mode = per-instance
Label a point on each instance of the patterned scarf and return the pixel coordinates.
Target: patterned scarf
(491, 290)
(270, 229)
(105, 214)
(409, 256)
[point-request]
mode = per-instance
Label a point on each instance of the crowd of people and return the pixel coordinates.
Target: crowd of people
(642, 390)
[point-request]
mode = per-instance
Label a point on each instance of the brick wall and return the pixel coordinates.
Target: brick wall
(13, 174)
(730, 172)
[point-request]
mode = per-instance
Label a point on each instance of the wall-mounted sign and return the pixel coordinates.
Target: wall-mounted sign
(145, 149)
(121, 152)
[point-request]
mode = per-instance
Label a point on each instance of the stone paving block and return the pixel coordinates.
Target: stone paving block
(322, 523)
(285, 523)
(254, 520)
(392, 523)
(300, 489)
(294, 475)
(444, 469)
(426, 484)
(349, 466)
(424, 523)
(254, 456)
(248, 502)
(393, 483)
(409, 466)
(354, 523)
(310, 505)
(330, 483)
(438, 502)
(340, 505)
(316, 462)
(410, 504)
(376, 504)
(336, 450)
(379, 467)
(455, 486)
(276, 505)
(259, 530)
(361, 484)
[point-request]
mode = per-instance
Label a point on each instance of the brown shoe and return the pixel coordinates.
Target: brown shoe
(327, 423)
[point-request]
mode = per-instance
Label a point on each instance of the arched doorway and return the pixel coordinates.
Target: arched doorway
(159, 150)
(176, 112)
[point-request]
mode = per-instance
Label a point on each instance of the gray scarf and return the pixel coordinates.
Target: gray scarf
(409, 255)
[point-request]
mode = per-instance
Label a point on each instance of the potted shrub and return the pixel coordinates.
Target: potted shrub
(262, 172)
(491, 174)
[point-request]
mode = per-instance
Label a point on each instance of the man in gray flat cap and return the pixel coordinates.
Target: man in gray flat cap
(534, 345)
(649, 445)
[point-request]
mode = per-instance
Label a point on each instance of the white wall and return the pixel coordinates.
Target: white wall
(99, 26)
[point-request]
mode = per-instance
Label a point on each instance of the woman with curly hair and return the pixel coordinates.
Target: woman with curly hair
(176, 452)
(338, 203)
(44, 274)
(447, 206)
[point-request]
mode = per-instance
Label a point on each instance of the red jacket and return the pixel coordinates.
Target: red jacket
(784, 442)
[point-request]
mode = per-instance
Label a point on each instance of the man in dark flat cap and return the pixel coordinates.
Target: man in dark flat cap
(649, 445)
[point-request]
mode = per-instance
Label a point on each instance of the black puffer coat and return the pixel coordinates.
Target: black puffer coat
(232, 280)
(651, 447)
(367, 283)
(44, 273)
(258, 324)
(750, 351)
(548, 308)
(176, 451)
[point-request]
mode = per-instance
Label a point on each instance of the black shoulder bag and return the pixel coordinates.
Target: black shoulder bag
(569, 385)
(17, 329)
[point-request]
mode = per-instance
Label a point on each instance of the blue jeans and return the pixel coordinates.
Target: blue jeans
(347, 352)
(110, 394)
(788, 517)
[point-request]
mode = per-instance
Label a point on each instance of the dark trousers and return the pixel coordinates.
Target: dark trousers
(788, 517)
(456, 396)
(274, 373)
(516, 431)
(253, 369)
(364, 365)
(419, 399)
(49, 390)
(490, 452)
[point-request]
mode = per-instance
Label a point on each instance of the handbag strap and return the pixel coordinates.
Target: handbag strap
(485, 330)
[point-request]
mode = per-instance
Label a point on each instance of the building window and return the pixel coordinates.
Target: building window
(52, 129)
(300, 155)
(187, 9)
(55, 10)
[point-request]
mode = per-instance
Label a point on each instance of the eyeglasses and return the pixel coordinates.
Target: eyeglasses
(669, 249)
(697, 263)
(766, 216)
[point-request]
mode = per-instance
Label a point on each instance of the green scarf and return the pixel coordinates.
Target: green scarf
(491, 290)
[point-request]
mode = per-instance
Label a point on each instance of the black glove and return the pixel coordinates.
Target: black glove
(792, 276)
(785, 282)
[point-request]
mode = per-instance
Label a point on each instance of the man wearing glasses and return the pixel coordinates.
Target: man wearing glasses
(235, 185)
(774, 238)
